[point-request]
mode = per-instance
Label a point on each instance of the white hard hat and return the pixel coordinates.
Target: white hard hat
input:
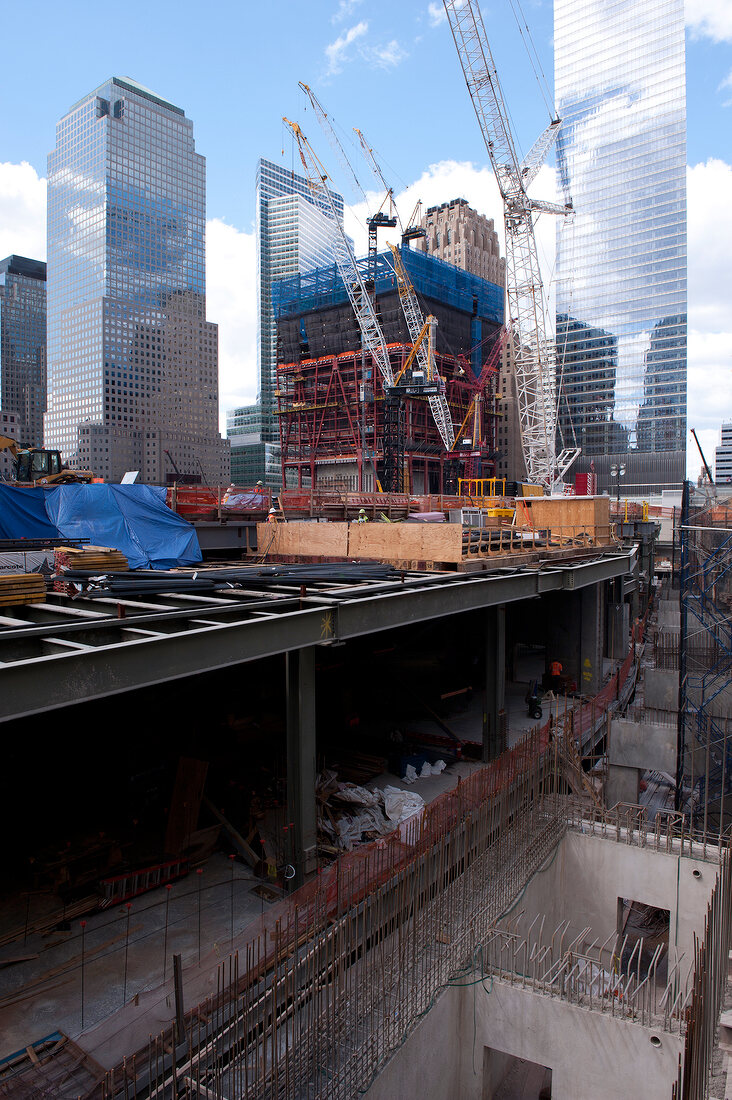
(273, 511)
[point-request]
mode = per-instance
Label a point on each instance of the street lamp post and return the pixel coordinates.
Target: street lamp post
(617, 471)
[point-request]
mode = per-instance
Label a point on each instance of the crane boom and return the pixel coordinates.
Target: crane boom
(425, 354)
(534, 350)
(363, 307)
(328, 128)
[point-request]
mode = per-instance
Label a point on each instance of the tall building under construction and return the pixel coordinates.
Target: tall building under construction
(332, 408)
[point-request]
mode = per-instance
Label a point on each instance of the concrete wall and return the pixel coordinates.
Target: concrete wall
(591, 1056)
(590, 873)
(668, 612)
(428, 1064)
(643, 745)
(661, 689)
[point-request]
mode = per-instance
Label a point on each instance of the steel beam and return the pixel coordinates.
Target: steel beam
(176, 648)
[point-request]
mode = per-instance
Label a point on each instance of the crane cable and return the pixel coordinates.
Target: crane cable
(535, 65)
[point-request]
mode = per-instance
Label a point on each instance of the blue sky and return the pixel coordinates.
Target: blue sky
(388, 68)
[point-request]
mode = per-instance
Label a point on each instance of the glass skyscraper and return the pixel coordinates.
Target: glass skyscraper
(293, 236)
(621, 260)
(23, 348)
(132, 360)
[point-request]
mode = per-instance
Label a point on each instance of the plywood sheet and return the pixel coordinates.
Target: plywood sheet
(406, 541)
(567, 515)
(307, 540)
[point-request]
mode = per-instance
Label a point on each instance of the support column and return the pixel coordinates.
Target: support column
(591, 639)
(494, 738)
(301, 808)
(618, 622)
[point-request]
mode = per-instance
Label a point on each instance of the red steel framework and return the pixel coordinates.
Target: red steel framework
(331, 412)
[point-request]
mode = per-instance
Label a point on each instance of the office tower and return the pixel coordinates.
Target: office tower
(457, 233)
(723, 456)
(23, 348)
(293, 236)
(132, 360)
(621, 262)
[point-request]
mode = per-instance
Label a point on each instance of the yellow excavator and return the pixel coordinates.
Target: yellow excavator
(39, 466)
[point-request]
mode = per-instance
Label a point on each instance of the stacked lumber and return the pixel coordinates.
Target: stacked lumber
(93, 559)
(22, 588)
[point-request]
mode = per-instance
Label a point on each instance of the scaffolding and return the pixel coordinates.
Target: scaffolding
(333, 410)
(336, 423)
(705, 658)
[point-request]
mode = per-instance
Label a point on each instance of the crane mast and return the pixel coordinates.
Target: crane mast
(534, 349)
(363, 307)
(422, 334)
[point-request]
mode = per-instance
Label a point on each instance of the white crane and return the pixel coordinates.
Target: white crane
(363, 307)
(425, 379)
(534, 348)
(421, 329)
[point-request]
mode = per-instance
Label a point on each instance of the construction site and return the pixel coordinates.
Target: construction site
(406, 779)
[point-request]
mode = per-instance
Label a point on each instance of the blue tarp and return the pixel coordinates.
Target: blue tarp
(23, 514)
(131, 518)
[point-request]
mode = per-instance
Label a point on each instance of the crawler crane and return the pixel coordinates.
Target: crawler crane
(534, 349)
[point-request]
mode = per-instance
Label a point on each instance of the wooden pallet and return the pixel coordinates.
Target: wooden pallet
(22, 588)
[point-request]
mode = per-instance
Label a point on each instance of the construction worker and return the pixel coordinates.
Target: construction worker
(555, 672)
(272, 516)
(362, 517)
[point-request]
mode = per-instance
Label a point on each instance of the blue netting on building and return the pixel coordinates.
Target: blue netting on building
(431, 278)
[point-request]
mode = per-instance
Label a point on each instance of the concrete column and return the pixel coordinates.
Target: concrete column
(494, 741)
(591, 639)
(618, 624)
(301, 809)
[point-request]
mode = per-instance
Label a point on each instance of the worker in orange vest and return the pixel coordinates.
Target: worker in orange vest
(555, 671)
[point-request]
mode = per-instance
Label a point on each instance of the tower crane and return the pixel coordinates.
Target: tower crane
(412, 231)
(379, 220)
(535, 350)
(419, 375)
(363, 307)
(364, 310)
(421, 331)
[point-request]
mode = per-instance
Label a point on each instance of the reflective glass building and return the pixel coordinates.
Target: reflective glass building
(23, 348)
(132, 360)
(293, 237)
(621, 263)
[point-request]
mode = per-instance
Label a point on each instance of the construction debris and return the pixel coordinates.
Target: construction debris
(351, 814)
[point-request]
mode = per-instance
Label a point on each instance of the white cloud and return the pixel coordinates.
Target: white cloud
(436, 14)
(710, 306)
(345, 10)
(710, 246)
(709, 19)
(337, 52)
(231, 301)
(22, 211)
(726, 83)
(387, 56)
